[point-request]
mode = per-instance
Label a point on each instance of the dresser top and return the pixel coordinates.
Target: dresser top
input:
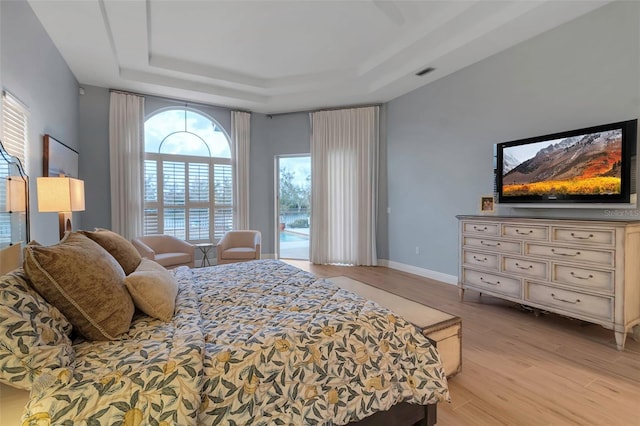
(549, 220)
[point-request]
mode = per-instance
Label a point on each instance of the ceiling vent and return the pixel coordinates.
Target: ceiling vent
(425, 71)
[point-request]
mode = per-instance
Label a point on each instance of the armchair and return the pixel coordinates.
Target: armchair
(239, 246)
(167, 250)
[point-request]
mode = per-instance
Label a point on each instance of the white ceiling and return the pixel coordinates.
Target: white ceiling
(280, 56)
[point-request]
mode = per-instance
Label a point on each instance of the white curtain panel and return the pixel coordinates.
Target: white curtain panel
(241, 137)
(344, 176)
(126, 156)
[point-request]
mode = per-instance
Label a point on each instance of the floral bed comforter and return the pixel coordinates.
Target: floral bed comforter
(258, 343)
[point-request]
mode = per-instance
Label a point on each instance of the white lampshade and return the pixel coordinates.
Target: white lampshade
(60, 194)
(16, 201)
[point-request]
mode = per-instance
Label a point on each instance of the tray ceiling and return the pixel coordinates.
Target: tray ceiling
(280, 56)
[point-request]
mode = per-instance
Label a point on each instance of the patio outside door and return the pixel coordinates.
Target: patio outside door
(293, 201)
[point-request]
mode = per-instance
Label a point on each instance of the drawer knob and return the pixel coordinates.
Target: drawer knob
(480, 259)
(489, 282)
(578, 237)
(523, 267)
(564, 300)
(519, 232)
(559, 253)
(574, 275)
(488, 244)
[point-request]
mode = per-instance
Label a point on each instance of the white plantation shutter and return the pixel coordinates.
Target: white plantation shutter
(151, 222)
(198, 201)
(199, 224)
(173, 183)
(198, 182)
(223, 182)
(14, 127)
(174, 198)
(223, 221)
(150, 218)
(223, 213)
(5, 219)
(178, 195)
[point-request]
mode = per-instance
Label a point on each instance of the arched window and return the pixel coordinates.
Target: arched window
(188, 176)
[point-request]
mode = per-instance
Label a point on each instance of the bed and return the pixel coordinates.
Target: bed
(258, 342)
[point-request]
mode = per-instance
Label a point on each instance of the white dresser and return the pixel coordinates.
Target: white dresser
(585, 269)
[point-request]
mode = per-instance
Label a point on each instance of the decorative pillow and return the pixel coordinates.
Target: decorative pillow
(153, 289)
(117, 246)
(34, 335)
(84, 282)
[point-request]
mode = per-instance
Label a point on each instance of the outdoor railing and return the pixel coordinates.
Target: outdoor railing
(295, 217)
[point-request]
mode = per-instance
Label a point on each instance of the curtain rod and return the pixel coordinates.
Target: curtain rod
(126, 92)
(325, 109)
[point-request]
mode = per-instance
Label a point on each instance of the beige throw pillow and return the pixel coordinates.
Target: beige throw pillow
(84, 282)
(153, 290)
(118, 247)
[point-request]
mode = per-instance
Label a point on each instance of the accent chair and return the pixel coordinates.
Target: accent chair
(167, 250)
(239, 246)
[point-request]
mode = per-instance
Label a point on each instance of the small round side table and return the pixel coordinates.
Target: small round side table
(205, 248)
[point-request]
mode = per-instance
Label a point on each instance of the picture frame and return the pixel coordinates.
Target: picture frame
(487, 204)
(59, 159)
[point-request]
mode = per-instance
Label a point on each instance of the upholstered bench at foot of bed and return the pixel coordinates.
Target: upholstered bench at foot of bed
(444, 329)
(12, 402)
(447, 335)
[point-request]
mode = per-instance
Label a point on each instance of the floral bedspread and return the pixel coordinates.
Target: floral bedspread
(152, 376)
(258, 343)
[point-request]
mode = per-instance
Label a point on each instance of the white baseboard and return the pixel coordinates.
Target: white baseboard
(427, 273)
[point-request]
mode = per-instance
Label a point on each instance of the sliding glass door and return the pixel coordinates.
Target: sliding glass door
(293, 201)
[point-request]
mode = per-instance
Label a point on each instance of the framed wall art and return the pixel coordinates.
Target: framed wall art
(59, 159)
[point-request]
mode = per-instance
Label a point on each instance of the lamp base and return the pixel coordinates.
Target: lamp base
(64, 223)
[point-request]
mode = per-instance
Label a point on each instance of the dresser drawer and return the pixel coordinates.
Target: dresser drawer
(480, 228)
(582, 277)
(526, 232)
(495, 283)
(527, 268)
(570, 301)
(484, 260)
(596, 257)
(584, 236)
(486, 244)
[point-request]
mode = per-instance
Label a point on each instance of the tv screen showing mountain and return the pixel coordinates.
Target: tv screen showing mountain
(588, 164)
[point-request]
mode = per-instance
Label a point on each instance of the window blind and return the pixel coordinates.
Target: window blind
(14, 127)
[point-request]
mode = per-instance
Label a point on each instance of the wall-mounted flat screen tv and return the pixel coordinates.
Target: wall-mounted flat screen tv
(590, 165)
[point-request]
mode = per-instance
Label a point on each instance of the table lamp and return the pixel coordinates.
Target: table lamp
(62, 195)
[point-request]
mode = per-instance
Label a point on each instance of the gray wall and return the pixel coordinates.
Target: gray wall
(94, 157)
(34, 71)
(441, 136)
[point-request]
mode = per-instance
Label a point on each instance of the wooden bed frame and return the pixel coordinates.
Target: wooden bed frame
(403, 414)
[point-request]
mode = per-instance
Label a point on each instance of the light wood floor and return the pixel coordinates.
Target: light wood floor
(518, 369)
